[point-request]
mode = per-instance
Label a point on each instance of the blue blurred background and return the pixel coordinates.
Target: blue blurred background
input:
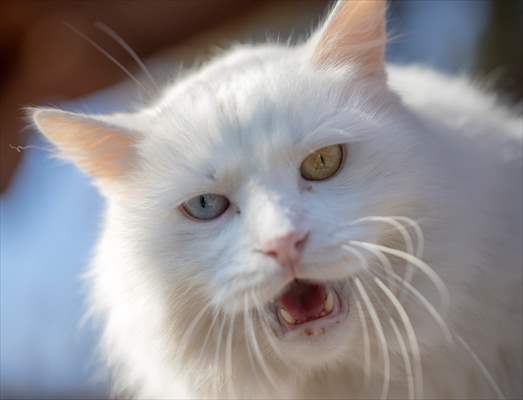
(49, 212)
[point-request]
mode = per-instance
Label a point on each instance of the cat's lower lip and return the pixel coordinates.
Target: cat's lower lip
(320, 307)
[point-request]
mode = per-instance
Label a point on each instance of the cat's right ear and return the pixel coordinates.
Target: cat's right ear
(353, 34)
(95, 144)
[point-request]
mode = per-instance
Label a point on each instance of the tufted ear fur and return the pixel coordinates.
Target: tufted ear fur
(354, 33)
(100, 148)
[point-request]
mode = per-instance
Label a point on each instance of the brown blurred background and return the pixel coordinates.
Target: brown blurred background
(41, 60)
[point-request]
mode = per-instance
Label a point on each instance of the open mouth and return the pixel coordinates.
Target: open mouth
(309, 307)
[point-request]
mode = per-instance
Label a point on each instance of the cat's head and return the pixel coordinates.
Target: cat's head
(256, 187)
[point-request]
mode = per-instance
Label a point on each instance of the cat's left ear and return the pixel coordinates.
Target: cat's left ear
(354, 33)
(98, 145)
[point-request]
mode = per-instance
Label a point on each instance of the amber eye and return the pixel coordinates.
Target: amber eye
(323, 163)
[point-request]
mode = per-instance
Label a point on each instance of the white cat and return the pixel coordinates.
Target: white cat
(304, 222)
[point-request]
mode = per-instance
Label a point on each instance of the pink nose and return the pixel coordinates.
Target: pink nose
(286, 249)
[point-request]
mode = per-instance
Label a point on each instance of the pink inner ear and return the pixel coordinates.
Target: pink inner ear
(354, 33)
(99, 149)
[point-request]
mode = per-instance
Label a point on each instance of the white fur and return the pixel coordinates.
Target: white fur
(432, 148)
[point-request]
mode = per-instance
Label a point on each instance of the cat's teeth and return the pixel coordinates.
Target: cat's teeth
(287, 317)
(329, 302)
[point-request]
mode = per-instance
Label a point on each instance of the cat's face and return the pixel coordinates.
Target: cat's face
(250, 190)
(248, 186)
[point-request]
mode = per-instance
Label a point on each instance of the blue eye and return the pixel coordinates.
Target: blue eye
(206, 206)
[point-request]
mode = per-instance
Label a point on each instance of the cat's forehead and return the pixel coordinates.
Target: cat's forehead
(251, 89)
(251, 82)
(250, 111)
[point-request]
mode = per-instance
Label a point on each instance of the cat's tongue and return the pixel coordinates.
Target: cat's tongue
(303, 302)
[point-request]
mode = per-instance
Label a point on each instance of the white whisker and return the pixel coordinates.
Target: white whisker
(207, 336)
(393, 221)
(372, 292)
(418, 370)
(406, 358)
(429, 272)
(264, 324)
(422, 299)
(420, 242)
(188, 333)
(409, 246)
(259, 356)
(248, 335)
(381, 336)
(228, 360)
(366, 343)
(217, 352)
(407, 277)
(118, 39)
(385, 262)
(109, 56)
(482, 368)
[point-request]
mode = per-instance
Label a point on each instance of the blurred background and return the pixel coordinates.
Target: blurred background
(49, 213)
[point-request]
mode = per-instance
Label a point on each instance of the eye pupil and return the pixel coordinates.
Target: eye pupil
(323, 163)
(205, 206)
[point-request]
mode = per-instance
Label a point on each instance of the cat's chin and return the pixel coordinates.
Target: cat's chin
(309, 310)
